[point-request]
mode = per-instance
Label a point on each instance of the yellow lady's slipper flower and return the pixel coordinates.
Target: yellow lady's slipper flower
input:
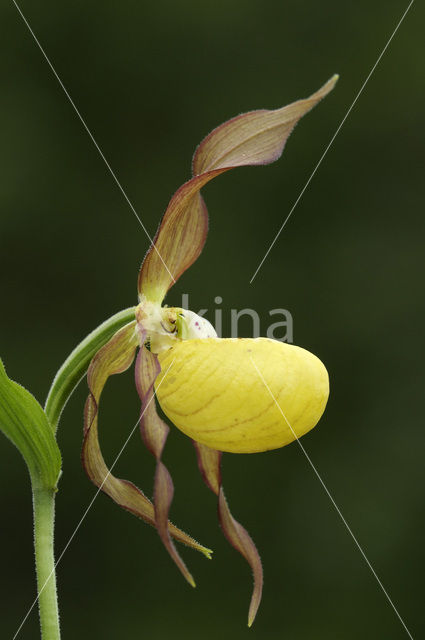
(232, 409)
(232, 395)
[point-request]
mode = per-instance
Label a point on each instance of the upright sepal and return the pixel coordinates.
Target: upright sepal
(253, 138)
(115, 357)
(209, 464)
(178, 242)
(24, 422)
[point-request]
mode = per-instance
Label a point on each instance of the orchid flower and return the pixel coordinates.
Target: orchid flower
(227, 395)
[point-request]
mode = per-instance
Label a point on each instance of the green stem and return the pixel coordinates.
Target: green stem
(75, 366)
(44, 515)
(66, 379)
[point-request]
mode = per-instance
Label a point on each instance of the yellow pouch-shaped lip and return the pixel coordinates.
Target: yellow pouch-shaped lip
(242, 395)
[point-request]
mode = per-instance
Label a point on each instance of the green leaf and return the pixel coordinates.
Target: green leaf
(24, 422)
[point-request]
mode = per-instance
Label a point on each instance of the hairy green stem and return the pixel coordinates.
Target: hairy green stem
(75, 366)
(66, 379)
(44, 515)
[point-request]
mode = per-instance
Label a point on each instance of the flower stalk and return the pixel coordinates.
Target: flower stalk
(75, 366)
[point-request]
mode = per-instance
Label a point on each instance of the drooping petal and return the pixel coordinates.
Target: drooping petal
(115, 357)
(209, 465)
(253, 138)
(154, 432)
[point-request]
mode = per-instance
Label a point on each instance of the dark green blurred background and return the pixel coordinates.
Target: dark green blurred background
(151, 80)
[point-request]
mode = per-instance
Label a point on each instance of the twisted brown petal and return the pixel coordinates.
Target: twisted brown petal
(115, 357)
(154, 432)
(179, 240)
(253, 138)
(209, 465)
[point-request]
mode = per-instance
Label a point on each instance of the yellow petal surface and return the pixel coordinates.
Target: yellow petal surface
(242, 395)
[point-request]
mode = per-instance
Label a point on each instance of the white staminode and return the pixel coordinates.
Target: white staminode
(164, 326)
(197, 326)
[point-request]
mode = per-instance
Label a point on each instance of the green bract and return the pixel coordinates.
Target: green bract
(24, 422)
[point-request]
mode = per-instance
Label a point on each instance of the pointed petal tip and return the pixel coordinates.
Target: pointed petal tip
(204, 550)
(332, 81)
(328, 86)
(321, 93)
(197, 546)
(252, 614)
(187, 576)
